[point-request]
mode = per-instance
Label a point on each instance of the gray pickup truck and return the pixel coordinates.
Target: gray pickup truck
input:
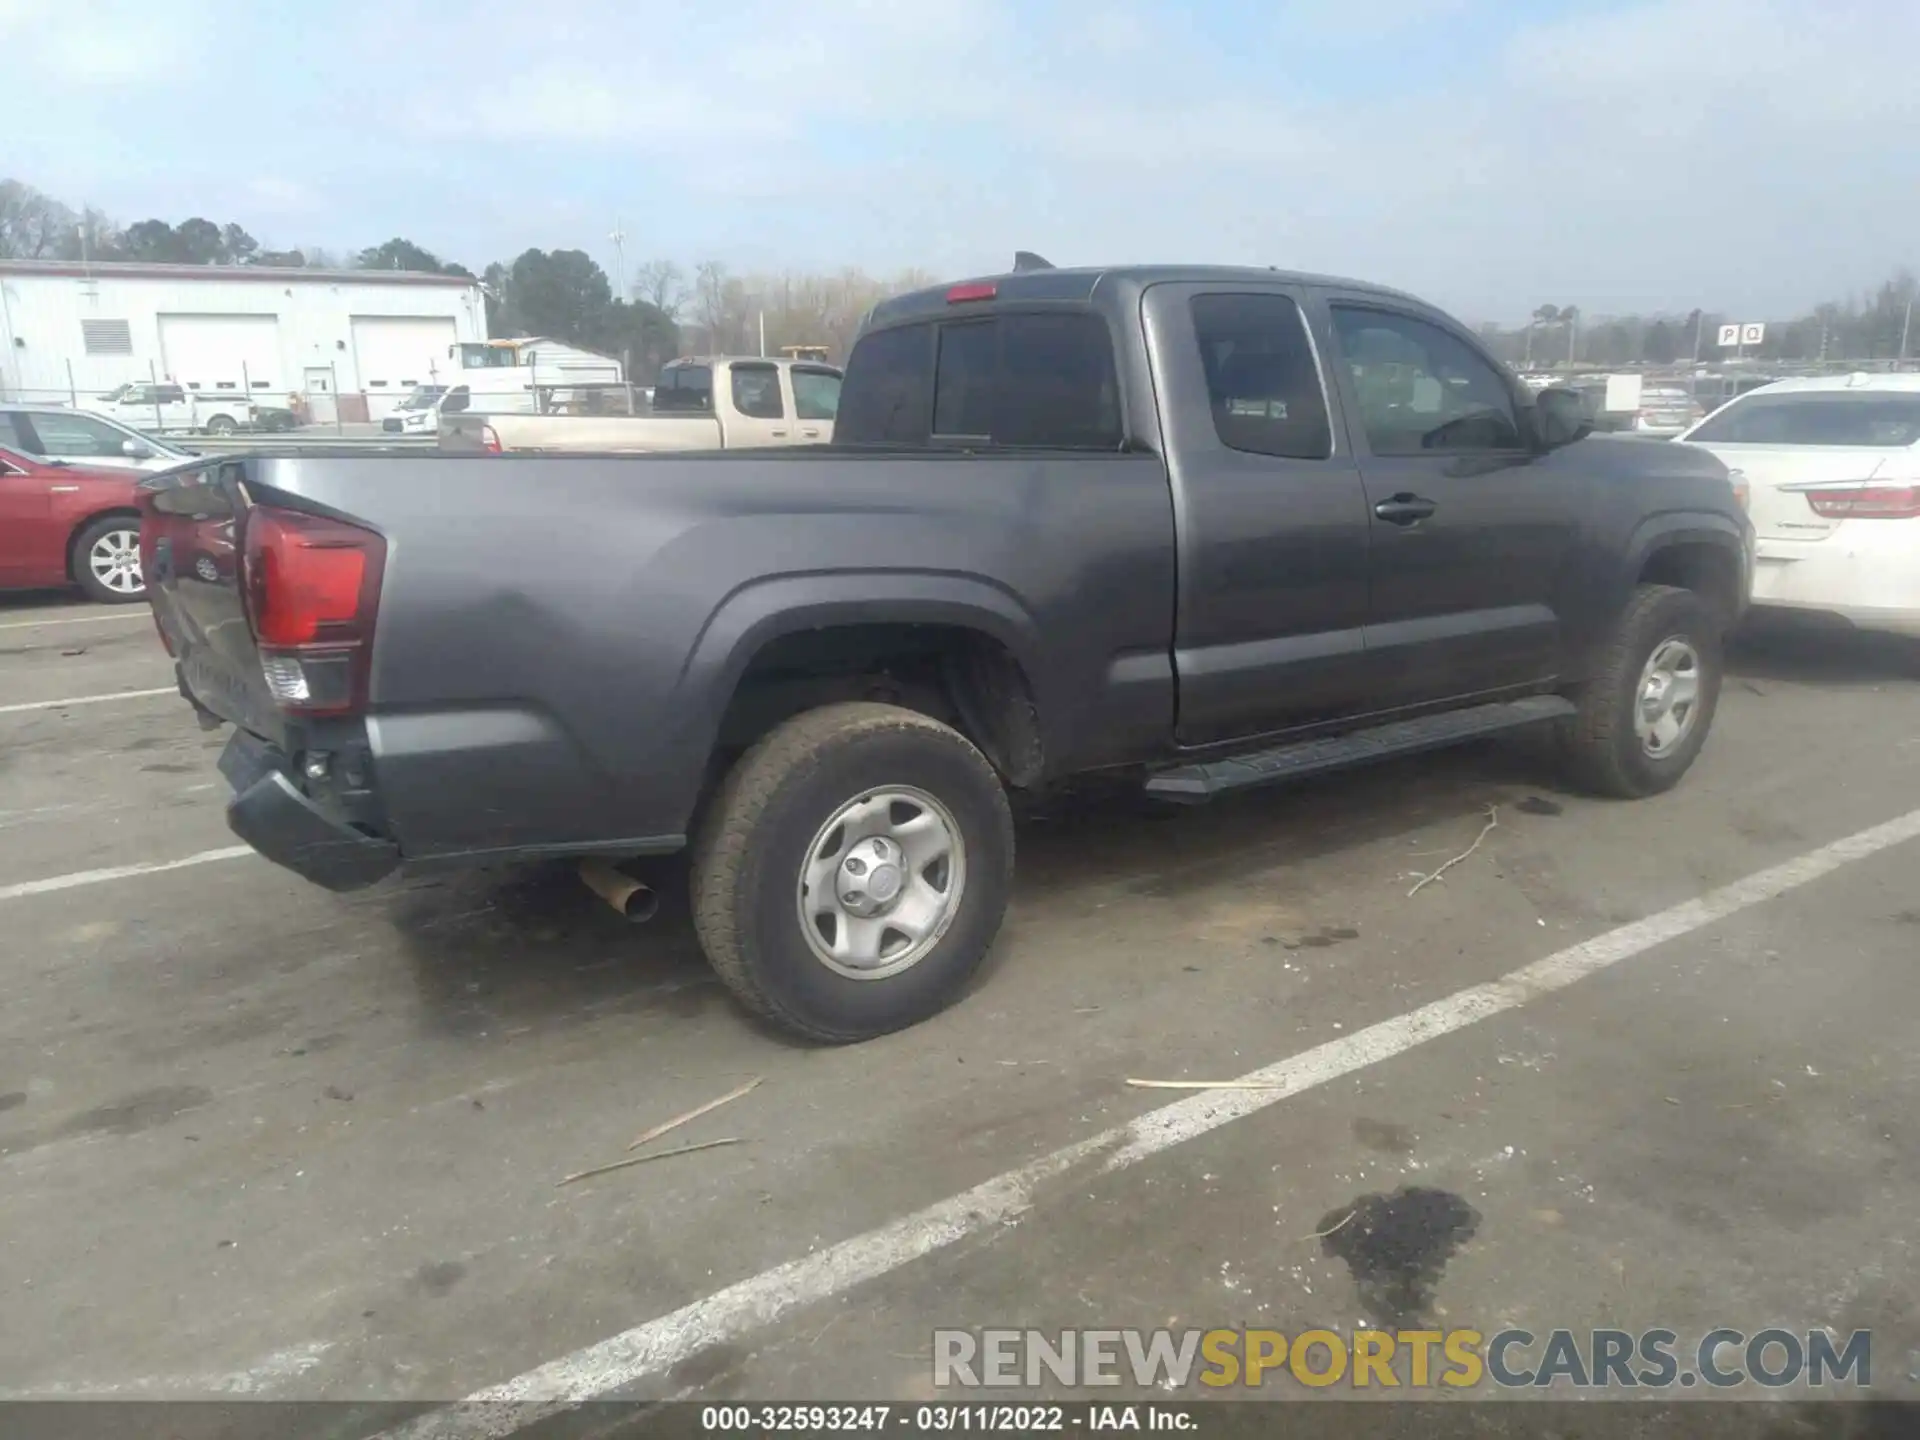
(1212, 528)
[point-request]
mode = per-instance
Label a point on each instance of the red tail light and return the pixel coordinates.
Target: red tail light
(489, 440)
(1867, 502)
(979, 290)
(312, 589)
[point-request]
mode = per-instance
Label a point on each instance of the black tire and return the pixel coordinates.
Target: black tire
(83, 575)
(221, 425)
(1600, 746)
(748, 855)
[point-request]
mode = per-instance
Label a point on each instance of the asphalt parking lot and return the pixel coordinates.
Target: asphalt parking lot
(260, 1140)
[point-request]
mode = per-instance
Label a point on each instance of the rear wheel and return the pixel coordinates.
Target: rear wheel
(106, 560)
(1645, 713)
(853, 871)
(221, 425)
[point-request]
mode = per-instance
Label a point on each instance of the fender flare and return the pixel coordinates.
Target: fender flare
(768, 609)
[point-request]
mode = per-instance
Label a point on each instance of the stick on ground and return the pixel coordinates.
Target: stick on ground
(694, 1114)
(1493, 822)
(645, 1159)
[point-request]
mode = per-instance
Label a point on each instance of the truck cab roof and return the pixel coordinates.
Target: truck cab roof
(1086, 284)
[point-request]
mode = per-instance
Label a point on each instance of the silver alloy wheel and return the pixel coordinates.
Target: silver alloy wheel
(1668, 701)
(114, 561)
(881, 882)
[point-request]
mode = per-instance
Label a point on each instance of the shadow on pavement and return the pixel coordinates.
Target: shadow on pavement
(1810, 652)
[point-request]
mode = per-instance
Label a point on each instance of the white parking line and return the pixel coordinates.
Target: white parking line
(655, 1347)
(87, 700)
(118, 872)
(140, 614)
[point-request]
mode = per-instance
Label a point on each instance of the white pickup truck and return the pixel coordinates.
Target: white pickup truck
(162, 409)
(704, 403)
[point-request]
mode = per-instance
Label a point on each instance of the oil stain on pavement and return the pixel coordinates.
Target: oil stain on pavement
(1397, 1245)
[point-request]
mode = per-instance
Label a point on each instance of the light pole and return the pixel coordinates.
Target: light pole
(619, 238)
(1906, 326)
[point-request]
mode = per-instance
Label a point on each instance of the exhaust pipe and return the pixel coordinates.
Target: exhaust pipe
(632, 898)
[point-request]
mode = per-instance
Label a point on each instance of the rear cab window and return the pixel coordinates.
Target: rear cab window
(1014, 379)
(685, 389)
(1821, 418)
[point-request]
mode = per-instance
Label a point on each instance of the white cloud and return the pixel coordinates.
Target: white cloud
(279, 196)
(96, 43)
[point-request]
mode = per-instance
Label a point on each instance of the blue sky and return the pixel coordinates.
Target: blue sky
(1753, 156)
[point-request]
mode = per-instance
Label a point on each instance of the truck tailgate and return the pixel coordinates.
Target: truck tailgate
(189, 539)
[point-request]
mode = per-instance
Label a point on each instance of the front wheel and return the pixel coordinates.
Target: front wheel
(1645, 713)
(106, 560)
(853, 871)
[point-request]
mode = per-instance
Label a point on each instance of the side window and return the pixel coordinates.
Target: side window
(756, 392)
(76, 437)
(11, 436)
(888, 396)
(1421, 389)
(172, 395)
(456, 400)
(1262, 382)
(816, 394)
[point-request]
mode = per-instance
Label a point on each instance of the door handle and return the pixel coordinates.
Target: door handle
(1405, 509)
(778, 434)
(811, 434)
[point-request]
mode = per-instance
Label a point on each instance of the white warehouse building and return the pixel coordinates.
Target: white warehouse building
(350, 343)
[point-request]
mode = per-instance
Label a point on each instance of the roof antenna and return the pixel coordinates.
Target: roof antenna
(1027, 260)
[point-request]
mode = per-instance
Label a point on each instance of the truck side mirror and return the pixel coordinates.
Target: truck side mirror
(1560, 417)
(134, 450)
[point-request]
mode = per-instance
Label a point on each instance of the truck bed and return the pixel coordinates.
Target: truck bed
(532, 607)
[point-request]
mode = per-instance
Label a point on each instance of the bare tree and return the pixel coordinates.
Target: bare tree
(31, 224)
(662, 284)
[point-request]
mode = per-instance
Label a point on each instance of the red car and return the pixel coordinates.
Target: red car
(65, 525)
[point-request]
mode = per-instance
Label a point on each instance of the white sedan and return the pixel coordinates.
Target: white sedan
(1832, 468)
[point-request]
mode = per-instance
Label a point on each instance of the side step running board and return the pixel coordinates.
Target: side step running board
(1191, 784)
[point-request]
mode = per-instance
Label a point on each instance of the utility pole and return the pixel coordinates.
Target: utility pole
(1906, 326)
(619, 238)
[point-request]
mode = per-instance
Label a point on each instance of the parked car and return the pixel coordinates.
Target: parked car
(417, 407)
(1665, 411)
(55, 432)
(708, 403)
(274, 419)
(1146, 521)
(65, 524)
(174, 410)
(1832, 464)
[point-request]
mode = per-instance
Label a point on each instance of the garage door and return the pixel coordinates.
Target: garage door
(224, 354)
(394, 353)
